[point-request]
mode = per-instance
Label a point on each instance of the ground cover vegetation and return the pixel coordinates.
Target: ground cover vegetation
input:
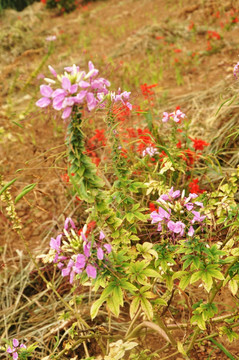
(119, 181)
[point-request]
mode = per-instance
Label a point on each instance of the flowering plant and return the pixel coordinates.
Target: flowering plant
(148, 237)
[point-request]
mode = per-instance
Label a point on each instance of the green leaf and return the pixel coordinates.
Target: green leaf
(134, 306)
(184, 281)
(141, 216)
(25, 191)
(147, 308)
(196, 276)
(95, 307)
(233, 286)
(215, 273)
(151, 273)
(130, 217)
(207, 278)
(128, 286)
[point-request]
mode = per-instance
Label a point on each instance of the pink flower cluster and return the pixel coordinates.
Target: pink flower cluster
(177, 116)
(77, 263)
(173, 205)
(77, 88)
(15, 348)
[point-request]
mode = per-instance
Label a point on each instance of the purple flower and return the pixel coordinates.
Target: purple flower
(67, 221)
(174, 194)
(236, 70)
(197, 217)
(100, 254)
(108, 248)
(80, 263)
(189, 206)
(151, 151)
(46, 92)
(165, 117)
(178, 115)
(191, 231)
(91, 271)
(51, 38)
(86, 249)
(102, 235)
(123, 97)
(14, 349)
(56, 243)
(176, 227)
(164, 214)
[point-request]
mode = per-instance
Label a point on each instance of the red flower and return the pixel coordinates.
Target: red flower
(194, 187)
(152, 207)
(146, 89)
(199, 144)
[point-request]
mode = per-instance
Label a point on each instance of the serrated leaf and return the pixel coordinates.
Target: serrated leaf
(215, 273)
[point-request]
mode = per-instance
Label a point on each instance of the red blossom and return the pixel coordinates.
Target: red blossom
(199, 144)
(194, 187)
(152, 207)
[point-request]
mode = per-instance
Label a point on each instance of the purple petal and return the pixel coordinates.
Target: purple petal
(15, 355)
(15, 342)
(102, 235)
(66, 84)
(67, 221)
(52, 70)
(84, 84)
(66, 113)
(9, 350)
(46, 90)
(43, 102)
(100, 254)
(58, 92)
(108, 248)
(80, 261)
(23, 346)
(73, 88)
(191, 231)
(91, 271)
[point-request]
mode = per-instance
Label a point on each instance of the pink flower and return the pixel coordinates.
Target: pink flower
(176, 227)
(91, 271)
(191, 231)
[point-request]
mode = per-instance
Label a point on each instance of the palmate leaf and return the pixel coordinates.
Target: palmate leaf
(185, 280)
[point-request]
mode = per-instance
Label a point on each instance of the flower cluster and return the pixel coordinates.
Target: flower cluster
(236, 71)
(176, 116)
(16, 347)
(172, 207)
(86, 254)
(77, 88)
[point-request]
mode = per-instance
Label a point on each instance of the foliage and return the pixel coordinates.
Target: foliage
(151, 237)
